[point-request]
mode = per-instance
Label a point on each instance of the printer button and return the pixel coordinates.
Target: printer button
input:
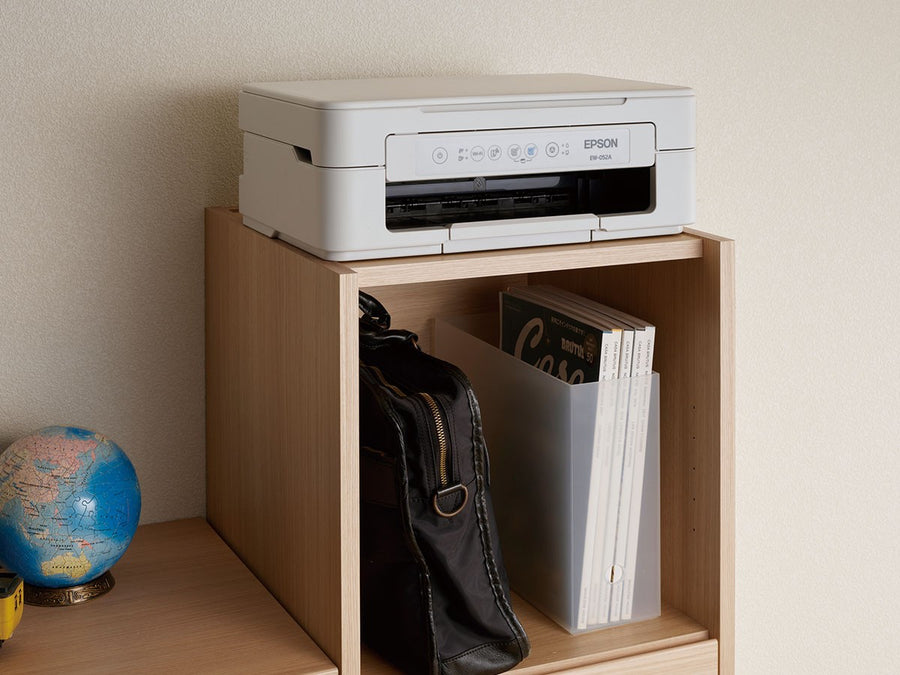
(514, 151)
(439, 155)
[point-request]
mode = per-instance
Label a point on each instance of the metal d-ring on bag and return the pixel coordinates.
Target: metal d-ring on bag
(435, 598)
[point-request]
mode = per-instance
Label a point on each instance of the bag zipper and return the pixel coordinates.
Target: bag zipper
(441, 433)
(436, 418)
(440, 429)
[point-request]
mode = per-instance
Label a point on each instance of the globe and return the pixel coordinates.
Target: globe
(69, 506)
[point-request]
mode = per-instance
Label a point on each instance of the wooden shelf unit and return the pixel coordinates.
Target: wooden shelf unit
(282, 424)
(182, 602)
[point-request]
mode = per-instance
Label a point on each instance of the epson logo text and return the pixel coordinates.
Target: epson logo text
(601, 143)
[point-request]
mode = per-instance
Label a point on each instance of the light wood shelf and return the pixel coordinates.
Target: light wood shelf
(282, 424)
(182, 602)
(421, 269)
(553, 649)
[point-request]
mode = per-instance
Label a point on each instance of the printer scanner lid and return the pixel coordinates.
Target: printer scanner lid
(460, 90)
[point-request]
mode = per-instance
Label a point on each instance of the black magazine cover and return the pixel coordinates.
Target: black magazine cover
(556, 343)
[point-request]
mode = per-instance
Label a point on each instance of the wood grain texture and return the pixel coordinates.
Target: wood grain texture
(270, 304)
(554, 650)
(699, 658)
(282, 467)
(719, 257)
(692, 304)
(414, 306)
(524, 260)
(183, 602)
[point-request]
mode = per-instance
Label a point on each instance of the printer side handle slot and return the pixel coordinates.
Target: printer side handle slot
(303, 154)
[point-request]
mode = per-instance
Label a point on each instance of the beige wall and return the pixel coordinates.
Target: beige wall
(118, 124)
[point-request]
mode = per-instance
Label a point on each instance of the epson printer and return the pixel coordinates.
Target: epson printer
(358, 169)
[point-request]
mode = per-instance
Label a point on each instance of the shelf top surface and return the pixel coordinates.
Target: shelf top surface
(446, 267)
(390, 271)
(182, 601)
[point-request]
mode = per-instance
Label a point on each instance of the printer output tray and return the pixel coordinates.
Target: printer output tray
(460, 200)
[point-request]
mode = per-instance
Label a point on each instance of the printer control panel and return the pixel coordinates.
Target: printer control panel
(433, 156)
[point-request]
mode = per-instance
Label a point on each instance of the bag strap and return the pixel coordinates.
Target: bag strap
(373, 312)
(375, 324)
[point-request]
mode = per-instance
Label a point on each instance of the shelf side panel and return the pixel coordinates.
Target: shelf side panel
(692, 304)
(282, 473)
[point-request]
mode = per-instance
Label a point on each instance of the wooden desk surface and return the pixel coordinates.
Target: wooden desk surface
(183, 602)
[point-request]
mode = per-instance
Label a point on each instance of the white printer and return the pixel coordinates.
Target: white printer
(358, 169)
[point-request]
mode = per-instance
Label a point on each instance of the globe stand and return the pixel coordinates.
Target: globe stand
(71, 595)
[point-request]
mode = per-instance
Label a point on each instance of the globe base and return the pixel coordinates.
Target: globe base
(70, 595)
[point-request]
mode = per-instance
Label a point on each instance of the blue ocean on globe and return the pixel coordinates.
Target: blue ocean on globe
(69, 506)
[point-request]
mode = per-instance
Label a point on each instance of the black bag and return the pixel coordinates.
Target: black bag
(435, 598)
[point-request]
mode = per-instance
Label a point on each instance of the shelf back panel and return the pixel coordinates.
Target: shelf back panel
(414, 306)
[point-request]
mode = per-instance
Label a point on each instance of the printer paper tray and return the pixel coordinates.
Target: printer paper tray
(493, 234)
(485, 229)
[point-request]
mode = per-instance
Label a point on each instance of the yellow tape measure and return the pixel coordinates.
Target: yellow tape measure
(12, 599)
